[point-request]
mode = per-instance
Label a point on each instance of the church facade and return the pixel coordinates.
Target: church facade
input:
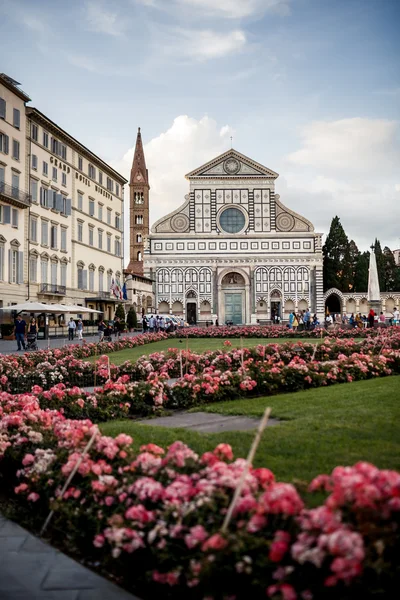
(233, 251)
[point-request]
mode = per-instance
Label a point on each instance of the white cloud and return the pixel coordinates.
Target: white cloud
(356, 144)
(206, 44)
(187, 144)
(232, 9)
(101, 20)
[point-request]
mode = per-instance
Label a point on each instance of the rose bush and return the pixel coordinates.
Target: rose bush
(152, 518)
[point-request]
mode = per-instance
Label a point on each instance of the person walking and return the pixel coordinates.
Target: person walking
(307, 318)
(295, 322)
(151, 324)
(79, 329)
(291, 319)
(396, 317)
(144, 323)
(101, 329)
(71, 329)
(33, 326)
(371, 318)
(19, 331)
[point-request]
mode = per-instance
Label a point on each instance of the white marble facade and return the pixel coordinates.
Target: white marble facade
(233, 251)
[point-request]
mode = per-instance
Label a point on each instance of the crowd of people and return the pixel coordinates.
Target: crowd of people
(303, 320)
(157, 323)
(357, 320)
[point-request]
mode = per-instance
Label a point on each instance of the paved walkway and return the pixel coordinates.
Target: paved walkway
(10, 346)
(33, 570)
(208, 422)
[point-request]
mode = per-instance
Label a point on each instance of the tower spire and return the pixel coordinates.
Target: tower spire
(139, 171)
(139, 208)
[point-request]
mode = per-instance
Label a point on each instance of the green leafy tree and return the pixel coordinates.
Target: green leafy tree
(380, 264)
(120, 312)
(337, 268)
(361, 273)
(391, 272)
(354, 254)
(131, 318)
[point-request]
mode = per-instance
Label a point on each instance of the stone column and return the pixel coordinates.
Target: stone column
(319, 293)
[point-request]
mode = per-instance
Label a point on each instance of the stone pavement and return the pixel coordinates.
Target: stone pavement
(10, 346)
(208, 422)
(33, 570)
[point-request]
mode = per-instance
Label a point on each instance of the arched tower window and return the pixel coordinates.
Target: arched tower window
(139, 256)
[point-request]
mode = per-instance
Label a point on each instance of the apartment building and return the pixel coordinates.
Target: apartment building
(14, 198)
(72, 233)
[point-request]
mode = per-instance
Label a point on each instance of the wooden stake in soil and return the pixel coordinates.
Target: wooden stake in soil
(180, 360)
(71, 475)
(249, 461)
(241, 347)
(95, 366)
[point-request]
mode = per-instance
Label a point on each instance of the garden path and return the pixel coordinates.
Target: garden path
(207, 422)
(33, 570)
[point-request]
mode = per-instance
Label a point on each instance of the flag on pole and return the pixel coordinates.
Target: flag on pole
(124, 292)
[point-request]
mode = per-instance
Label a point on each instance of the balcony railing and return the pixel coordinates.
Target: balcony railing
(104, 295)
(52, 289)
(14, 194)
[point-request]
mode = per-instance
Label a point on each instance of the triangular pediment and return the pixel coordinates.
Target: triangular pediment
(232, 164)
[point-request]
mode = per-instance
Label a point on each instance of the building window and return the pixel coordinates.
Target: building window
(34, 132)
(43, 270)
(117, 248)
(1, 262)
(3, 105)
(4, 143)
(15, 184)
(110, 185)
(118, 221)
(91, 234)
(45, 233)
(109, 216)
(45, 139)
(100, 212)
(91, 207)
(100, 239)
(91, 172)
(139, 256)
(91, 280)
(80, 163)
(100, 178)
(63, 178)
(2, 176)
(16, 118)
(53, 237)
(44, 197)
(80, 201)
(14, 266)
(15, 149)
(101, 281)
(54, 174)
(109, 277)
(34, 190)
(14, 218)
(80, 231)
(117, 189)
(63, 239)
(63, 274)
(138, 238)
(45, 168)
(34, 162)
(138, 220)
(232, 220)
(108, 242)
(34, 223)
(53, 270)
(33, 269)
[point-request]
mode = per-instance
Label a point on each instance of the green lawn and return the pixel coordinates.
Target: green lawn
(322, 428)
(198, 345)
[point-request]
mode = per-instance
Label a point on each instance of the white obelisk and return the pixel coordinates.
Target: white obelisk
(374, 293)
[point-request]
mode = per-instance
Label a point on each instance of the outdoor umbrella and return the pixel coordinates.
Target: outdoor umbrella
(33, 307)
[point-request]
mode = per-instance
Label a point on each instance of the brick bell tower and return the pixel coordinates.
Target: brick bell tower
(139, 208)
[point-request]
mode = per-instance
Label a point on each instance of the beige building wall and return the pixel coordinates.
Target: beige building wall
(14, 200)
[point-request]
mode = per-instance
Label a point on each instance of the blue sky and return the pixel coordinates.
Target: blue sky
(310, 88)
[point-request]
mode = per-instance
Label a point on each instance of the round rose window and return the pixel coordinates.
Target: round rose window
(232, 220)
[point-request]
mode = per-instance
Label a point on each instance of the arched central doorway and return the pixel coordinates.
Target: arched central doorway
(333, 305)
(233, 290)
(191, 307)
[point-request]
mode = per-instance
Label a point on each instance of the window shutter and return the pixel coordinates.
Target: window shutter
(15, 217)
(48, 199)
(68, 207)
(16, 118)
(20, 267)
(2, 108)
(59, 203)
(6, 214)
(6, 144)
(84, 279)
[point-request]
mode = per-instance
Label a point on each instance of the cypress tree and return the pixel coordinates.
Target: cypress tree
(391, 271)
(337, 261)
(361, 273)
(354, 255)
(380, 264)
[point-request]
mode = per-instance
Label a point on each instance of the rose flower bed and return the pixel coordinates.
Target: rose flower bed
(151, 519)
(139, 389)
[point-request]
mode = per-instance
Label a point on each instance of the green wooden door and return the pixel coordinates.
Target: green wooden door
(233, 308)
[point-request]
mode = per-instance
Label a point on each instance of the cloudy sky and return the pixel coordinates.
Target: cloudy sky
(309, 88)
